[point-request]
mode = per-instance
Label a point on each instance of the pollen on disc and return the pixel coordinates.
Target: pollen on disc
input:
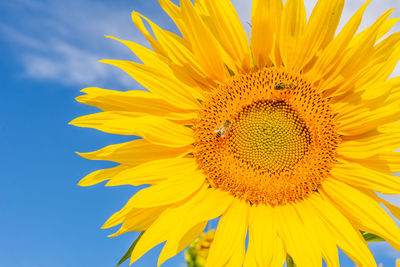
(267, 137)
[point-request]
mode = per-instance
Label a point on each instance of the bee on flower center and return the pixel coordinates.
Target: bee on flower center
(284, 85)
(222, 129)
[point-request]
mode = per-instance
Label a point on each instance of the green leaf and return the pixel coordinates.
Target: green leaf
(289, 261)
(129, 252)
(368, 237)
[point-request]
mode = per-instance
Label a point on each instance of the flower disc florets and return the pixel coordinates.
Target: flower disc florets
(267, 137)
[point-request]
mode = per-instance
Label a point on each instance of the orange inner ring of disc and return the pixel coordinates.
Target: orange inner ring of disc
(267, 137)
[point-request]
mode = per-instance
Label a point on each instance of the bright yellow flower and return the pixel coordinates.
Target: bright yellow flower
(196, 255)
(287, 136)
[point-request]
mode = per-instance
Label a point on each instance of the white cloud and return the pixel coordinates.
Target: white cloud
(63, 41)
(66, 63)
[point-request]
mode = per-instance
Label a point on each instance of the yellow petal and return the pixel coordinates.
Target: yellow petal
(177, 50)
(171, 9)
(179, 242)
(265, 21)
(238, 255)
(141, 102)
(388, 91)
(334, 52)
(161, 84)
(147, 56)
(326, 239)
(381, 30)
(300, 243)
(139, 24)
(320, 29)
(394, 210)
(293, 22)
(178, 75)
(385, 48)
(194, 24)
(135, 152)
(196, 216)
(347, 238)
(369, 146)
(383, 162)
(365, 121)
(392, 159)
(360, 50)
(207, 204)
(358, 55)
(388, 24)
(364, 211)
(129, 211)
(196, 32)
(101, 175)
(133, 219)
(264, 244)
(359, 176)
(250, 260)
(231, 233)
(229, 31)
(153, 172)
(157, 130)
(373, 76)
(172, 190)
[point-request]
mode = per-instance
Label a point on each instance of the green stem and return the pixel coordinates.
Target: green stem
(289, 261)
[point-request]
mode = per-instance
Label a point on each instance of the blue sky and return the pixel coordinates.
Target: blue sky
(49, 52)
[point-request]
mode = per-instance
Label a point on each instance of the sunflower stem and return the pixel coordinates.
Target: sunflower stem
(129, 252)
(289, 261)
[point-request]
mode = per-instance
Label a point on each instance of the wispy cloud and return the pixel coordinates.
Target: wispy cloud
(66, 63)
(63, 41)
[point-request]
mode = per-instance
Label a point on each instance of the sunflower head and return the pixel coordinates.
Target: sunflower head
(266, 137)
(285, 135)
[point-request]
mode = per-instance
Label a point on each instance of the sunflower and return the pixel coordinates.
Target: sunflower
(196, 254)
(288, 136)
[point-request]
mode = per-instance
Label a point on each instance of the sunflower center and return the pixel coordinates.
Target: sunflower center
(267, 137)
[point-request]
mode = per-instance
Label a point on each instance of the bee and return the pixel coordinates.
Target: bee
(221, 130)
(284, 85)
